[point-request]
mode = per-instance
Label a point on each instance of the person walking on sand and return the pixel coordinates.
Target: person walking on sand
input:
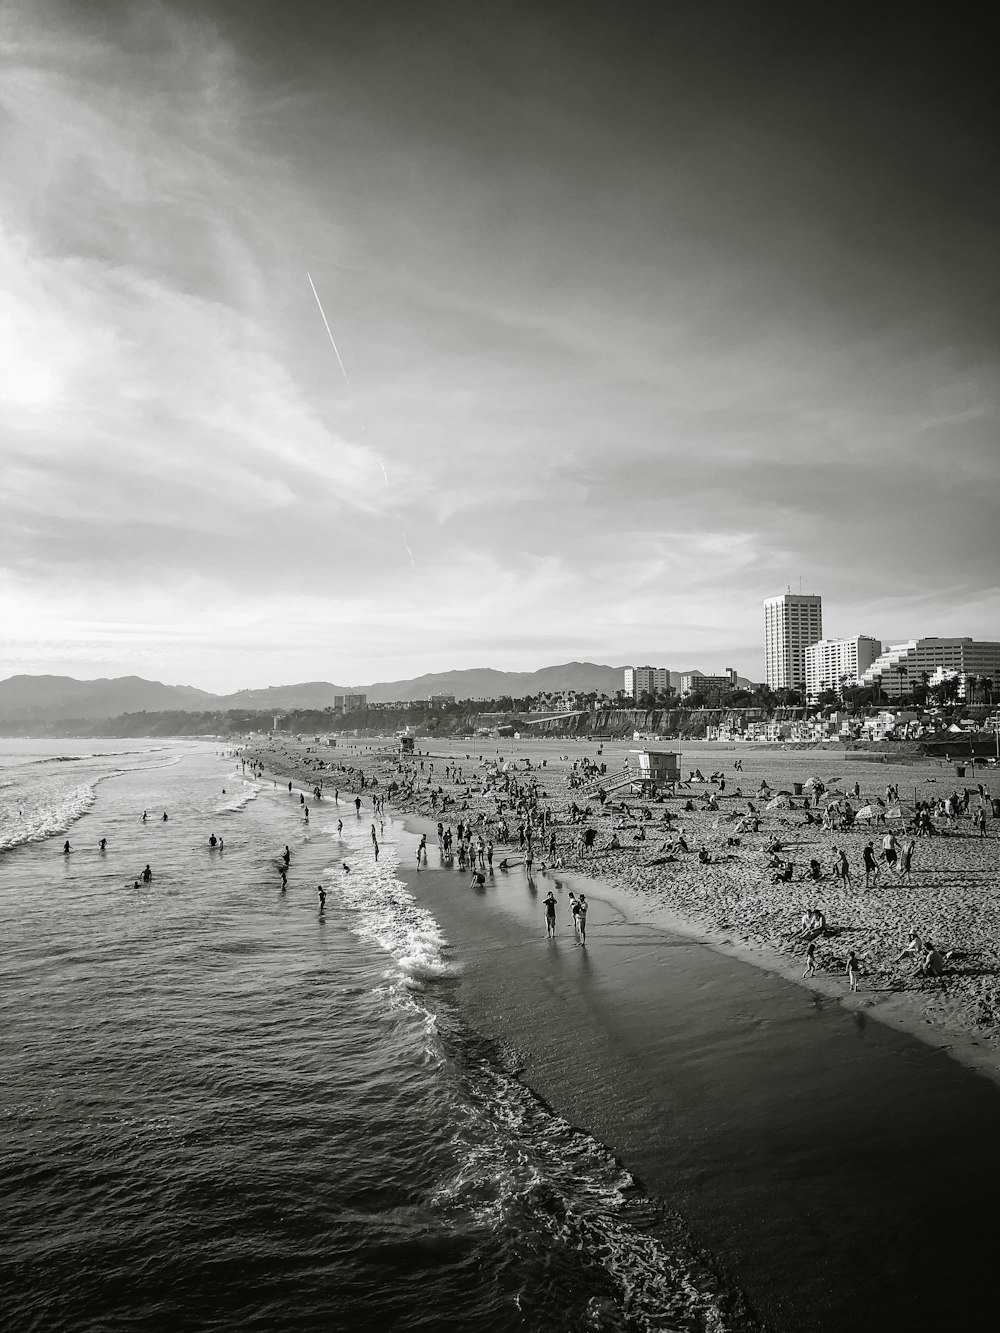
(581, 917)
(905, 861)
(810, 960)
(422, 849)
(871, 865)
(890, 850)
(550, 915)
(853, 970)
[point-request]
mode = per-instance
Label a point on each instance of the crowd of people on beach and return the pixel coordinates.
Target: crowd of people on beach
(487, 807)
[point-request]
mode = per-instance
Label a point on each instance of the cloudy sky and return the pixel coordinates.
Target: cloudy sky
(646, 313)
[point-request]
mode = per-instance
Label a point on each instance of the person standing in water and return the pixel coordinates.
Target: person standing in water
(322, 897)
(288, 855)
(104, 844)
(147, 874)
(66, 847)
(549, 904)
(581, 917)
(340, 827)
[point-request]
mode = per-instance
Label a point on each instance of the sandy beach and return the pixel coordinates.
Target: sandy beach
(732, 902)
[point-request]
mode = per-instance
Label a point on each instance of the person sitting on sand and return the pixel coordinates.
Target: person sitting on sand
(815, 871)
(703, 857)
(913, 948)
(784, 875)
(933, 963)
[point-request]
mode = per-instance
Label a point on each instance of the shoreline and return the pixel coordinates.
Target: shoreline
(687, 899)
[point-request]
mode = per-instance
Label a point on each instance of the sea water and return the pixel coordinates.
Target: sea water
(223, 1107)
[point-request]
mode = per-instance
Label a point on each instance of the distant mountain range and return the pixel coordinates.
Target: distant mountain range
(51, 698)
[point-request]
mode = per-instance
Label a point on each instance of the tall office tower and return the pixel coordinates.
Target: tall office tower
(791, 623)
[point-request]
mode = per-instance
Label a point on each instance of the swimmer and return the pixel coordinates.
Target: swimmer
(221, 845)
(104, 844)
(164, 816)
(66, 848)
(144, 816)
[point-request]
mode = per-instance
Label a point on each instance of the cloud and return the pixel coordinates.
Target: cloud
(635, 347)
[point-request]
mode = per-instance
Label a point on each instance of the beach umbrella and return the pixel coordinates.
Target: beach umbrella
(866, 812)
(778, 802)
(900, 812)
(814, 782)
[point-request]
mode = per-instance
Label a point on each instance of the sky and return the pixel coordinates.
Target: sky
(645, 313)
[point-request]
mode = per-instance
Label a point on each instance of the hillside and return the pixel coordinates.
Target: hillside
(24, 699)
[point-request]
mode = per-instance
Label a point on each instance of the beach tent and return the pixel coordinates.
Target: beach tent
(781, 802)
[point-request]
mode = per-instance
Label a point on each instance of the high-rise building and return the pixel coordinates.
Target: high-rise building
(791, 623)
(646, 680)
(831, 662)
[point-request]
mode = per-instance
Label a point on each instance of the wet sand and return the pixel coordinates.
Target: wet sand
(813, 1154)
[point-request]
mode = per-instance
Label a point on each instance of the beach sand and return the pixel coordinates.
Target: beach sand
(823, 1160)
(732, 903)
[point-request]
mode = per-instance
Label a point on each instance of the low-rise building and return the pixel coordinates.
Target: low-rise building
(902, 665)
(697, 680)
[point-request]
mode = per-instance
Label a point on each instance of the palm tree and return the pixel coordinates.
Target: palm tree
(901, 671)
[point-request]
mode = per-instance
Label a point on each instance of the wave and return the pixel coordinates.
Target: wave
(525, 1174)
(240, 800)
(384, 911)
(33, 819)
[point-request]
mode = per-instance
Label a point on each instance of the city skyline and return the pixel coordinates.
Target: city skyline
(639, 317)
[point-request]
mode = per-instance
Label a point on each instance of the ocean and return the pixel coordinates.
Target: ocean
(225, 1108)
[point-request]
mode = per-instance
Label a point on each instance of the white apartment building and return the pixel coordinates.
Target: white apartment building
(792, 622)
(642, 680)
(829, 661)
(901, 666)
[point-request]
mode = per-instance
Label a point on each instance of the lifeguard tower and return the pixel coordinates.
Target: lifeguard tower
(655, 770)
(406, 744)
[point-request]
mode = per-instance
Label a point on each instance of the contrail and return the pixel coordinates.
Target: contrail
(329, 331)
(333, 344)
